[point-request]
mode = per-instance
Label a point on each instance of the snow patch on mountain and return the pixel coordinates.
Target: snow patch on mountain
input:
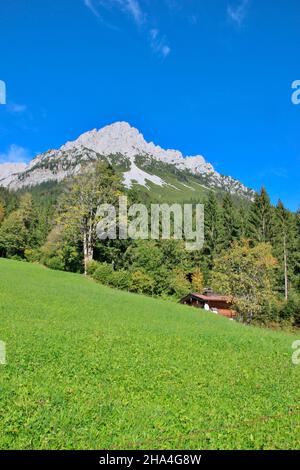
(122, 146)
(139, 176)
(126, 140)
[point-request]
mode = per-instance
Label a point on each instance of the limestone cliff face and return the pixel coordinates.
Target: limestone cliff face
(9, 171)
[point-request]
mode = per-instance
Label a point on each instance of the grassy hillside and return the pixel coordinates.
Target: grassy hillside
(90, 367)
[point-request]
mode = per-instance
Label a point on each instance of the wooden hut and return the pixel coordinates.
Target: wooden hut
(221, 304)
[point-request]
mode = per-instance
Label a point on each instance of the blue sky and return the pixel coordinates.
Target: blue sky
(202, 76)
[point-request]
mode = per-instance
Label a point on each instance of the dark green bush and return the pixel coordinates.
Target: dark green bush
(121, 279)
(55, 263)
(103, 273)
(291, 309)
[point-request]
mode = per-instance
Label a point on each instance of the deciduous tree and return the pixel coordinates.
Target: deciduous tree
(247, 274)
(97, 184)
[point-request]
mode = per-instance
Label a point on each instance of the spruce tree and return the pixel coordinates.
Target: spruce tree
(2, 211)
(212, 229)
(283, 243)
(242, 219)
(260, 218)
(229, 229)
(297, 252)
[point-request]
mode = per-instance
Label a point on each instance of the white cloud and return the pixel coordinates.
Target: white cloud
(238, 13)
(91, 6)
(174, 5)
(15, 154)
(193, 19)
(158, 43)
(166, 50)
(154, 34)
(133, 8)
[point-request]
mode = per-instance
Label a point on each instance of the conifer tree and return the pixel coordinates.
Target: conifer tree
(297, 252)
(242, 218)
(2, 212)
(212, 224)
(282, 242)
(229, 229)
(260, 218)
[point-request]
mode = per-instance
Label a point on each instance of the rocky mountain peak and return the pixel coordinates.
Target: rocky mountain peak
(122, 138)
(125, 147)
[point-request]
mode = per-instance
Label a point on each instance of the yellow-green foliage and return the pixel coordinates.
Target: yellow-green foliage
(197, 281)
(247, 274)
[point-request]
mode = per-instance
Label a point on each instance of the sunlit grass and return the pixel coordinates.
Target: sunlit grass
(89, 367)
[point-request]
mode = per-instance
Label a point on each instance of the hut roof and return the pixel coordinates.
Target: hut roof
(212, 297)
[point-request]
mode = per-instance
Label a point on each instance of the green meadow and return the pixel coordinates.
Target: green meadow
(90, 367)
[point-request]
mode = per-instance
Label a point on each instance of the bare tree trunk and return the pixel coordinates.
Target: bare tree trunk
(88, 250)
(286, 280)
(85, 253)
